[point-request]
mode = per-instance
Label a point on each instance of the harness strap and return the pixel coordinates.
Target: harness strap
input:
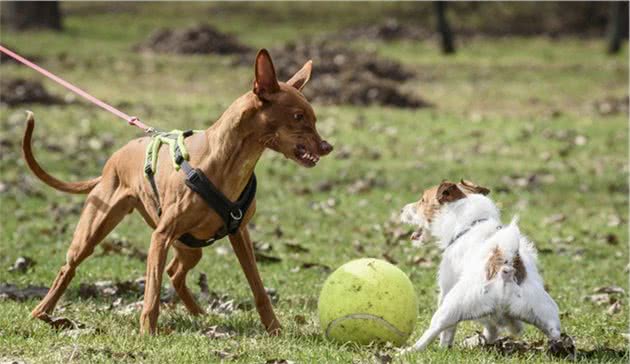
(463, 232)
(230, 212)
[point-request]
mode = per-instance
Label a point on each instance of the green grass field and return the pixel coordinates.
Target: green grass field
(515, 114)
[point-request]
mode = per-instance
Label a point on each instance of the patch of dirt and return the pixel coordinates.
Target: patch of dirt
(344, 76)
(11, 292)
(20, 91)
(391, 29)
(198, 39)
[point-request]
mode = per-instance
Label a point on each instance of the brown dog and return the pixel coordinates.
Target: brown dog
(274, 115)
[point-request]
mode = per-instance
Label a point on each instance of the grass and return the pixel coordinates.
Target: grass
(506, 110)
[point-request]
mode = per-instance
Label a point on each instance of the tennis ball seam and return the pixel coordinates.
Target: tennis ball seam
(365, 316)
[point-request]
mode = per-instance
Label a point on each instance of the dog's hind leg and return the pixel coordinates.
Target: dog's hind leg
(185, 259)
(540, 310)
(104, 208)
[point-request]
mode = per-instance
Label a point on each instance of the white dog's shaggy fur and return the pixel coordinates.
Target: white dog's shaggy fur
(488, 271)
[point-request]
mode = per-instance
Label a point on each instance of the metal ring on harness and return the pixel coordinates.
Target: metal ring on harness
(240, 215)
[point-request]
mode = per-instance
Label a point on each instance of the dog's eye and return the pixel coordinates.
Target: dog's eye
(298, 116)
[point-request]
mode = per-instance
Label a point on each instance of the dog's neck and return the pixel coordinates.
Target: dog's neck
(457, 216)
(233, 147)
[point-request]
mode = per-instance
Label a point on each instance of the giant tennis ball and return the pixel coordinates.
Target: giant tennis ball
(368, 300)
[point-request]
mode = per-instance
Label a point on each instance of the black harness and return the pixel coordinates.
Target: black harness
(463, 232)
(231, 213)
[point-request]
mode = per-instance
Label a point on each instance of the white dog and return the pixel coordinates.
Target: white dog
(488, 271)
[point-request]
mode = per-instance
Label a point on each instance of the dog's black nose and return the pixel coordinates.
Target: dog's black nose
(325, 147)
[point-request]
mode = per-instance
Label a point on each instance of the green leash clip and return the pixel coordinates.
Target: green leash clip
(179, 153)
(175, 140)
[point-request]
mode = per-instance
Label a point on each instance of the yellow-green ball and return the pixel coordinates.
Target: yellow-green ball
(368, 300)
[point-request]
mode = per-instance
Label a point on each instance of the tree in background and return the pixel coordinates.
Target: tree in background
(24, 15)
(617, 25)
(444, 28)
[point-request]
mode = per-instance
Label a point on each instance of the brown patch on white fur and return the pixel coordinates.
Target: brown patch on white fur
(520, 272)
(494, 263)
(433, 198)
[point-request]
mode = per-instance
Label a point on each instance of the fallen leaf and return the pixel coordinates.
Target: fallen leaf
(600, 299)
(422, 262)
(224, 355)
(612, 239)
(61, 323)
(389, 258)
(262, 247)
(296, 248)
(309, 265)
(554, 219)
(266, 258)
(219, 332)
(614, 308)
(21, 265)
(610, 289)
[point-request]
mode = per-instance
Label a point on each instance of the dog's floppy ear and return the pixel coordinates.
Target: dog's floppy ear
(449, 192)
(473, 188)
(265, 82)
(301, 77)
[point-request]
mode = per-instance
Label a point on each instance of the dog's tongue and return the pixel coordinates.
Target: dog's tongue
(417, 234)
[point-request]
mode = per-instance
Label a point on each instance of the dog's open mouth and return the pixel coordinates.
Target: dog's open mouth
(305, 157)
(417, 235)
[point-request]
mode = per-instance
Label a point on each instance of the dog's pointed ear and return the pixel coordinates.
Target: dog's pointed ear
(301, 77)
(449, 192)
(473, 188)
(265, 82)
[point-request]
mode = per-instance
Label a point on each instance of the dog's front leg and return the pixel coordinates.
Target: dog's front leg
(447, 335)
(244, 250)
(156, 260)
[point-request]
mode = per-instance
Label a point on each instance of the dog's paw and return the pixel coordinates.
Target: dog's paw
(563, 347)
(405, 351)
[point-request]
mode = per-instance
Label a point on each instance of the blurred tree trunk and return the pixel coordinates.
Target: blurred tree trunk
(444, 28)
(23, 15)
(617, 25)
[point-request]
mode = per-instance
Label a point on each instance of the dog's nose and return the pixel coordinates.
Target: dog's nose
(325, 147)
(507, 270)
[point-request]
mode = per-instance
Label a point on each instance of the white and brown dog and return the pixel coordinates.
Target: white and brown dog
(488, 271)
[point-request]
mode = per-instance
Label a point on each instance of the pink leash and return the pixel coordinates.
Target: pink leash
(132, 120)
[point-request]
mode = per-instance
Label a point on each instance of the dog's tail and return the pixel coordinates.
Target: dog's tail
(27, 152)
